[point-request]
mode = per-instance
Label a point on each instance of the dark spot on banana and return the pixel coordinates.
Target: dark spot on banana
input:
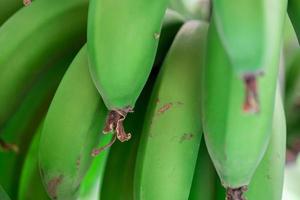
(53, 185)
(164, 108)
(186, 136)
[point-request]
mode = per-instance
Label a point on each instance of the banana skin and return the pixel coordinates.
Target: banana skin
(121, 51)
(172, 133)
(236, 140)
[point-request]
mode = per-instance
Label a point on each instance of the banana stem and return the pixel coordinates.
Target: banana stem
(114, 123)
(236, 193)
(8, 147)
(251, 104)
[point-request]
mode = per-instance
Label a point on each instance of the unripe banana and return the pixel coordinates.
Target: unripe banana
(3, 195)
(236, 140)
(267, 182)
(249, 31)
(31, 39)
(121, 53)
(71, 131)
(203, 187)
(8, 8)
(294, 13)
(172, 133)
(22, 125)
(30, 186)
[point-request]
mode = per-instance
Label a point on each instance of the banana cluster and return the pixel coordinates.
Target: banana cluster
(198, 88)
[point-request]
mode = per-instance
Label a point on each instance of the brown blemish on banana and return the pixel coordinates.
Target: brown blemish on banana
(236, 193)
(78, 161)
(53, 185)
(186, 137)
(26, 2)
(251, 103)
(8, 147)
(164, 108)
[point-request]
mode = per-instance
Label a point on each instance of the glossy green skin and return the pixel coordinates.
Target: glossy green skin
(236, 140)
(203, 187)
(292, 95)
(31, 40)
(20, 128)
(267, 182)
(120, 168)
(71, 131)
(244, 28)
(8, 8)
(3, 195)
(122, 47)
(294, 13)
(170, 26)
(30, 185)
(172, 132)
(90, 188)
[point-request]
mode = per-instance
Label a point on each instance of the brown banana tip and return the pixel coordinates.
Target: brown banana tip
(251, 103)
(236, 193)
(26, 2)
(96, 151)
(114, 123)
(8, 147)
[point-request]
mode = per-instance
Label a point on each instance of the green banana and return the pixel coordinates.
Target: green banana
(170, 26)
(172, 133)
(293, 11)
(70, 131)
(118, 75)
(119, 181)
(267, 182)
(30, 184)
(22, 125)
(292, 95)
(8, 8)
(249, 31)
(31, 39)
(236, 140)
(3, 195)
(203, 186)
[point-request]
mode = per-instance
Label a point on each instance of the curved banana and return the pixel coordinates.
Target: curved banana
(267, 182)
(71, 131)
(23, 124)
(121, 53)
(30, 184)
(8, 8)
(294, 14)
(170, 26)
(249, 31)
(31, 39)
(172, 133)
(236, 140)
(203, 186)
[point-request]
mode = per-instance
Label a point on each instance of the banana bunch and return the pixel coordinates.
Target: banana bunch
(71, 72)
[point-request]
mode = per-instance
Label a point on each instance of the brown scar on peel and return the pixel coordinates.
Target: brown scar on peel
(26, 2)
(186, 136)
(53, 185)
(164, 108)
(156, 36)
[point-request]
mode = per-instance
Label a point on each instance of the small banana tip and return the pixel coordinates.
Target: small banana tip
(251, 103)
(236, 193)
(26, 2)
